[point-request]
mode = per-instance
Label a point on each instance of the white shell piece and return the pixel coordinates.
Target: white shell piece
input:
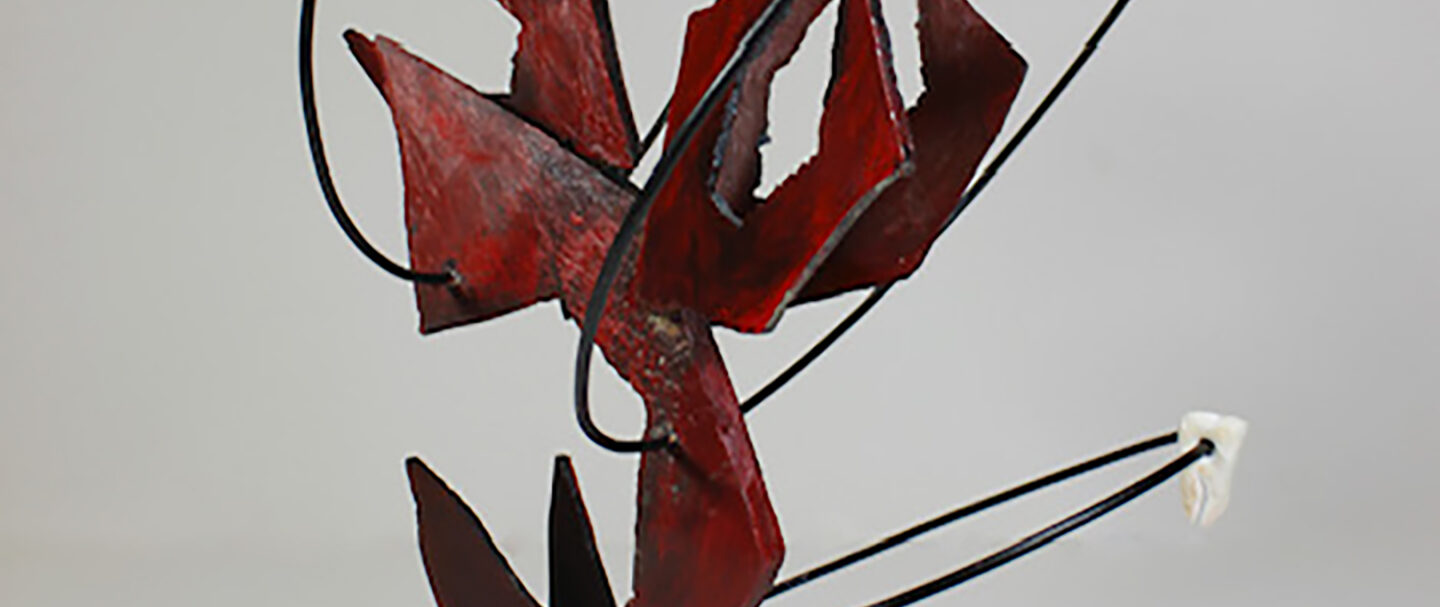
(1205, 485)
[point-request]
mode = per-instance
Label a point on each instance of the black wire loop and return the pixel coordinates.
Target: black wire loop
(322, 164)
(969, 196)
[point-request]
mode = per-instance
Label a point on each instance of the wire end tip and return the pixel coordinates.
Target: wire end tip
(1205, 485)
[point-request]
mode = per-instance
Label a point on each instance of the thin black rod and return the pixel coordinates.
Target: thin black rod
(966, 198)
(1091, 45)
(967, 510)
(816, 350)
(322, 164)
(750, 45)
(1049, 534)
(654, 132)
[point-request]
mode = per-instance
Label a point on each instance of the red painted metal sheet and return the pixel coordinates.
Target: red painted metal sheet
(567, 78)
(708, 245)
(455, 180)
(465, 568)
(971, 76)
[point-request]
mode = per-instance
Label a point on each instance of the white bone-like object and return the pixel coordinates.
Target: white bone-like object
(1205, 485)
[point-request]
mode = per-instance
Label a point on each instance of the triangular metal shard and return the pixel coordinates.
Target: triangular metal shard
(464, 566)
(487, 194)
(577, 575)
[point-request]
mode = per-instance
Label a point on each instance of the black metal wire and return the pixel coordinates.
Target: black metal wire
(967, 510)
(634, 219)
(322, 164)
(969, 196)
(813, 354)
(1091, 45)
(654, 132)
(1049, 534)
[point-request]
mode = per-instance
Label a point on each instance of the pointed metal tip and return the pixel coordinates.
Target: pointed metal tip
(577, 575)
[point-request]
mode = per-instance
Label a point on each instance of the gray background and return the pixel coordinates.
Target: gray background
(206, 395)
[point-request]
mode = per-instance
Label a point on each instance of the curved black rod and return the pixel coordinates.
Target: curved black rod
(634, 219)
(997, 499)
(966, 198)
(322, 164)
(1049, 534)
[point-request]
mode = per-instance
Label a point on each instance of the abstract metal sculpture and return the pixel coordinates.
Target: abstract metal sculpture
(523, 197)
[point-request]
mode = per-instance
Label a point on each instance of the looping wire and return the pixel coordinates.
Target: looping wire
(322, 164)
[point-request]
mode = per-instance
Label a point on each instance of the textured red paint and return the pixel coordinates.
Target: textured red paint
(522, 195)
(710, 38)
(567, 78)
(971, 76)
(523, 219)
(743, 276)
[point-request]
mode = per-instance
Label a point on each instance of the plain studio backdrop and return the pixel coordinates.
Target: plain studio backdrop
(206, 395)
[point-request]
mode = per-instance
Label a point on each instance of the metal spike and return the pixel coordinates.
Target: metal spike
(577, 575)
